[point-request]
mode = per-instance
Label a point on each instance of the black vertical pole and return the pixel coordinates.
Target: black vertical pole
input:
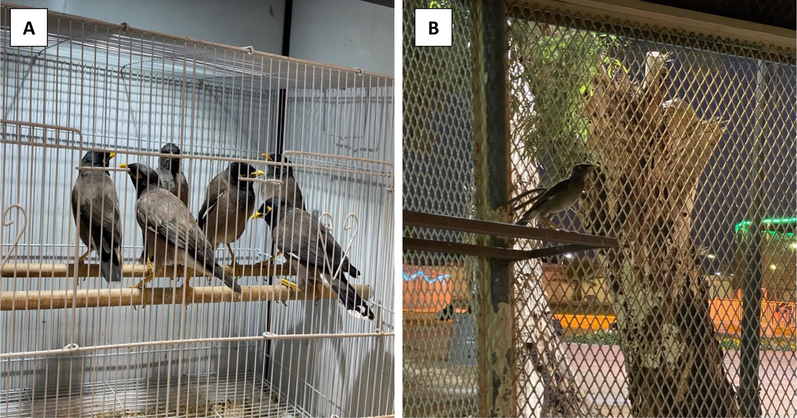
(282, 98)
(749, 399)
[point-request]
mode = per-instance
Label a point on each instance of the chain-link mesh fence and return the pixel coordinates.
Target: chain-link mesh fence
(696, 139)
(439, 347)
(693, 315)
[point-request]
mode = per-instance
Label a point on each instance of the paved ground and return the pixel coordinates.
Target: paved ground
(601, 370)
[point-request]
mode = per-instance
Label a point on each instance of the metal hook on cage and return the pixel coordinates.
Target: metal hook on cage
(360, 71)
(20, 232)
(249, 49)
(71, 346)
(125, 27)
(346, 227)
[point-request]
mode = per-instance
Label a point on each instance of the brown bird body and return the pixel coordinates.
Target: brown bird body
(300, 236)
(170, 174)
(95, 209)
(172, 235)
(229, 201)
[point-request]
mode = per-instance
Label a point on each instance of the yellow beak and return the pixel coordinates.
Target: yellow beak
(122, 165)
(111, 155)
(255, 215)
(258, 173)
(267, 156)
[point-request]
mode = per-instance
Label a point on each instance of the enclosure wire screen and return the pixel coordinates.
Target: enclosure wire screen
(693, 315)
(439, 370)
(695, 138)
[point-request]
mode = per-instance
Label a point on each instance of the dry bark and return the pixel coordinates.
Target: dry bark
(653, 149)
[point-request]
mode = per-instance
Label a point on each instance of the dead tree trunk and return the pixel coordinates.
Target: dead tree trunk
(653, 151)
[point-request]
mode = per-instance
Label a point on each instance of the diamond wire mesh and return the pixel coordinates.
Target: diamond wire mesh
(439, 367)
(677, 123)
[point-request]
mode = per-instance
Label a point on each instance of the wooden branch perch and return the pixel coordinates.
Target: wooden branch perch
(93, 298)
(44, 270)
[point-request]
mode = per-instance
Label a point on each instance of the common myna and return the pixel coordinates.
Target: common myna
(171, 178)
(172, 235)
(95, 208)
(288, 190)
(302, 238)
(559, 197)
(229, 202)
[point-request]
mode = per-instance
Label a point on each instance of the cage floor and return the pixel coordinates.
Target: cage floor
(195, 396)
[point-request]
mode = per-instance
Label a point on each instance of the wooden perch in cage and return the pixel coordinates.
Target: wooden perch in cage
(89, 298)
(94, 298)
(46, 270)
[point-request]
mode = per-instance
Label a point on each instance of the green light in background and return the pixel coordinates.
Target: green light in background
(770, 221)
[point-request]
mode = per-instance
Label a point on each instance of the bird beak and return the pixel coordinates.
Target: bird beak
(267, 156)
(257, 173)
(111, 155)
(255, 215)
(122, 165)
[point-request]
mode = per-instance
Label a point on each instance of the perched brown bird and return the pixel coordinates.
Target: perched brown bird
(302, 238)
(95, 208)
(172, 235)
(289, 189)
(229, 202)
(171, 179)
(559, 197)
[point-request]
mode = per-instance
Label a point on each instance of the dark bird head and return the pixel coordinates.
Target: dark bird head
(582, 169)
(170, 163)
(96, 159)
(239, 171)
(143, 177)
(276, 171)
(267, 211)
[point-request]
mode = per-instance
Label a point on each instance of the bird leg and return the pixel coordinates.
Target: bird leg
(149, 274)
(232, 256)
(274, 257)
(318, 291)
(83, 257)
(187, 291)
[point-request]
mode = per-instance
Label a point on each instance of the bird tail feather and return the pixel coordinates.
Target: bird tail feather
(351, 300)
(111, 266)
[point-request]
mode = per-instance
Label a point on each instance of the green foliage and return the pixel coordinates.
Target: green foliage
(551, 70)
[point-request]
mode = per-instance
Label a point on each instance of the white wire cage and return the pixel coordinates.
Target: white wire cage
(74, 344)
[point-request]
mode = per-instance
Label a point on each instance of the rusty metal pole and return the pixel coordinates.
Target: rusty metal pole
(496, 319)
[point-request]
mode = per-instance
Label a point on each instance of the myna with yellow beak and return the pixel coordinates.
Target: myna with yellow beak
(229, 201)
(302, 238)
(95, 208)
(172, 235)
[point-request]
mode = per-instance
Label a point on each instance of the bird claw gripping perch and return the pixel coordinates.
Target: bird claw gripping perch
(20, 232)
(149, 274)
(291, 287)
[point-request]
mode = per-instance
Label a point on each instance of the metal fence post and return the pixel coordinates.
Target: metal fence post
(496, 319)
(749, 399)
